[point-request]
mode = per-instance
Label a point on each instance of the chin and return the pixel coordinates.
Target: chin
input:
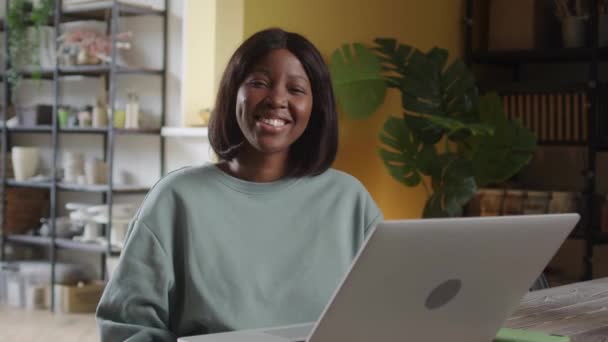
(272, 149)
(271, 146)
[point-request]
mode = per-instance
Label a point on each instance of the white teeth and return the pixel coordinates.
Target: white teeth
(273, 122)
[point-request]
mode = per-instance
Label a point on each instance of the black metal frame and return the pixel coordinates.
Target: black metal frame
(594, 143)
(109, 134)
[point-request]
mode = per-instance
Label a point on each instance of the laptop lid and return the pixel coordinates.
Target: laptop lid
(441, 279)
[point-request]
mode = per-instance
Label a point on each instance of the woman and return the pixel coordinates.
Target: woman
(263, 237)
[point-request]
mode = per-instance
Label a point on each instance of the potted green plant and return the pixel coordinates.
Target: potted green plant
(23, 51)
(447, 133)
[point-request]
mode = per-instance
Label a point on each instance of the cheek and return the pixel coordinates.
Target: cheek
(247, 103)
(243, 107)
(241, 100)
(303, 110)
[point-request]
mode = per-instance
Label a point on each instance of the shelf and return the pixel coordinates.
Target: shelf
(84, 246)
(28, 184)
(121, 189)
(534, 87)
(92, 71)
(83, 130)
(103, 69)
(43, 74)
(194, 132)
(558, 55)
(562, 143)
(31, 129)
(79, 130)
(120, 131)
(29, 240)
(62, 243)
(99, 11)
(138, 131)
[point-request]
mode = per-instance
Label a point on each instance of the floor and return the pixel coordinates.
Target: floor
(42, 325)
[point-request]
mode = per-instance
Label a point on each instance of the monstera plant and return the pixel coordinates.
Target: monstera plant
(446, 134)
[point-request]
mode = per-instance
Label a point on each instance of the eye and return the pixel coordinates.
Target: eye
(297, 90)
(257, 83)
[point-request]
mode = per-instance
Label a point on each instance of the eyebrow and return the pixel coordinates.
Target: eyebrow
(267, 73)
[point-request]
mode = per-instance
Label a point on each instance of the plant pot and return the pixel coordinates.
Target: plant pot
(536, 203)
(573, 31)
(25, 162)
(491, 202)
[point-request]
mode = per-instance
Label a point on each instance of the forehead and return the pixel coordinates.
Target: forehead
(280, 61)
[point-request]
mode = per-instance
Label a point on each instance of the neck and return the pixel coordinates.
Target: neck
(258, 167)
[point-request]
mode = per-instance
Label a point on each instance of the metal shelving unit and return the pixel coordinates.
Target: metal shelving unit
(595, 140)
(113, 11)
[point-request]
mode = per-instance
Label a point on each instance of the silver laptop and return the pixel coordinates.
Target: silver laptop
(430, 280)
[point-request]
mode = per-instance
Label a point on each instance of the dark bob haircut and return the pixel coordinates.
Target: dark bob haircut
(315, 150)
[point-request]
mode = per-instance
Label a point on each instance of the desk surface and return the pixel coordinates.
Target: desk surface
(577, 310)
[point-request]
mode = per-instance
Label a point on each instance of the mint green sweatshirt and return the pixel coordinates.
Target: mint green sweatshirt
(208, 253)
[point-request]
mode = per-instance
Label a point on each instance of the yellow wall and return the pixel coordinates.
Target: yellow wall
(212, 30)
(229, 26)
(198, 58)
(328, 24)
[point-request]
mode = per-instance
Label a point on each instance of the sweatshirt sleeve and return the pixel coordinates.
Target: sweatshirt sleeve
(135, 305)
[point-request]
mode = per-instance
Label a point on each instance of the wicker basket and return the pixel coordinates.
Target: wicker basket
(24, 208)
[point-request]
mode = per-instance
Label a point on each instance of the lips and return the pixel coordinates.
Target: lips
(273, 122)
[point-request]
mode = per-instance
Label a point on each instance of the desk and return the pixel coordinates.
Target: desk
(577, 310)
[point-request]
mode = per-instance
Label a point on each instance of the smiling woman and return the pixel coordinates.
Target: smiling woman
(284, 102)
(263, 237)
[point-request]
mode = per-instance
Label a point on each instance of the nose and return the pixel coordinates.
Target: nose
(277, 98)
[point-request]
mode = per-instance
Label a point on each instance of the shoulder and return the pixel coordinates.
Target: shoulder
(176, 186)
(340, 187)
(186, 177)
(341, 180)
(338, 184)
(189, 175)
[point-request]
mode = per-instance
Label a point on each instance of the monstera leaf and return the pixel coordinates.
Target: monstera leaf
(358, 82)
(430, 91)
(498, 157)
(453, 186)
(405, 157)
(394, 58)
(454, 126)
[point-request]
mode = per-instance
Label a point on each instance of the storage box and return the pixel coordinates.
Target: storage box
(15, 290)
(35, 115)
(522, 24)
(77, 299)
(23, 293)
(24, 208)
